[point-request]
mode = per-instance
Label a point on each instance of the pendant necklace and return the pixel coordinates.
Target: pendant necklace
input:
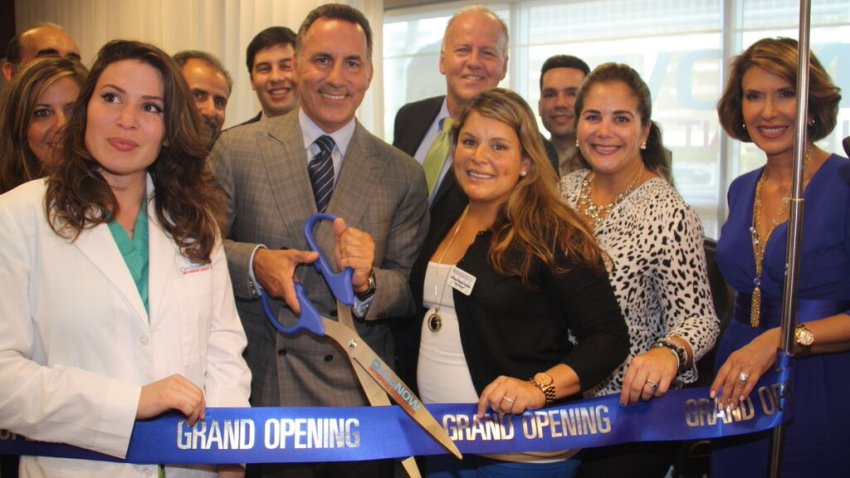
(435, 322)
(759, 244)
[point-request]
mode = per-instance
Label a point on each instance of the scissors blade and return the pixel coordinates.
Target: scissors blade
(374, 393)
(363, 356)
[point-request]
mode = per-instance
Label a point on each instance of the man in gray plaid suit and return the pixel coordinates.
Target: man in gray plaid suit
(267, 172)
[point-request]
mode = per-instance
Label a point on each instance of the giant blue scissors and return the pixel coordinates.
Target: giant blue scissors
(375, 376)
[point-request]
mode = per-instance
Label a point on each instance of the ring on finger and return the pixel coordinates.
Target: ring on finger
(652, 384)
(743, 376)
(509, 400)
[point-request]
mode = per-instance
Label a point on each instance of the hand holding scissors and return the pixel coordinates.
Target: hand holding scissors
(374, 374)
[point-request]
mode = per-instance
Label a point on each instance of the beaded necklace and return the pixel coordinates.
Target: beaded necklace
(595, 212)
(759, 245)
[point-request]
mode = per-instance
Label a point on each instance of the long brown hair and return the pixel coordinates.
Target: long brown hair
(78, 197)
(18, 164)
(534, 223)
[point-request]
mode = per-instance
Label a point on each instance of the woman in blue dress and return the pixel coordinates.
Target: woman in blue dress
(759, 106)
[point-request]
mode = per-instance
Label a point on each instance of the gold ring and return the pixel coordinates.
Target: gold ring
(652, 384)
(509, 400)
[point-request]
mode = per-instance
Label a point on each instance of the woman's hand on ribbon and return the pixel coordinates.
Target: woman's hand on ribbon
(742, 370)
(649, 375)
(172, 393)
(508, 395)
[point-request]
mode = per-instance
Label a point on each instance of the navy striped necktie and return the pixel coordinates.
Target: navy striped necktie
(321, 169)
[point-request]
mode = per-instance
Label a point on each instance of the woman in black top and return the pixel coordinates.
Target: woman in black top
(508, 281)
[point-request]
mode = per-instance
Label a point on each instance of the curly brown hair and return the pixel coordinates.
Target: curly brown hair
(534, 223)
(18, 164)
(779, 56)
(186, 201)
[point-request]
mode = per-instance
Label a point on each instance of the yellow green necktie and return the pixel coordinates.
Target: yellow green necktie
(436, 156)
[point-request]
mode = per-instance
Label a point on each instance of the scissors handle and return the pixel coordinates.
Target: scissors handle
(339, 282)
(310, 319)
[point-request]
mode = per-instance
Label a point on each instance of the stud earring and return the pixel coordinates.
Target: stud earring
(643, 147)
(522, 173)
(577, 144)
(744, 125)
(811, 122)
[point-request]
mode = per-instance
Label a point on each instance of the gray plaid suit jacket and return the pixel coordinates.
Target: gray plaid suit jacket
(262, 168)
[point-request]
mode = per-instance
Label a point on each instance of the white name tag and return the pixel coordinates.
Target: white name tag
(462, 281)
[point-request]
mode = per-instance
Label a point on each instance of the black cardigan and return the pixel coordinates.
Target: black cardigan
(508, 329)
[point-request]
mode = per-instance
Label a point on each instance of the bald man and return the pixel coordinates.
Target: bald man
(43, 40)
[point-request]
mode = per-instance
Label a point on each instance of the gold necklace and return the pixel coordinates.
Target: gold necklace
(595, 212)
(435, 322)
(759, 245)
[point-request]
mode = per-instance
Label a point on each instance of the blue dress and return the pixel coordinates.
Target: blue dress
(817, 440)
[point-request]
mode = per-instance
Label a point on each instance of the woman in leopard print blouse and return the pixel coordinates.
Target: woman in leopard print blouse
(655, 244)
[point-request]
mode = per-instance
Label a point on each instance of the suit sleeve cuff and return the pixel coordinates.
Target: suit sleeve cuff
(253, 284)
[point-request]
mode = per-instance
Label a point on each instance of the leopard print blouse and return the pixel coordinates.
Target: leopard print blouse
(655, 241)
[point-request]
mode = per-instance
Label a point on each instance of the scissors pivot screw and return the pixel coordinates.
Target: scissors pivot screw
(352, 343)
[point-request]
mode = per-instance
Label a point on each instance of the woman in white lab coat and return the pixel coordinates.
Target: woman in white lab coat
(117, 303)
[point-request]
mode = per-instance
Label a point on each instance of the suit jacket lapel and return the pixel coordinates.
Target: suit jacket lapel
(361, 170)
(98, 245)
(282, 150)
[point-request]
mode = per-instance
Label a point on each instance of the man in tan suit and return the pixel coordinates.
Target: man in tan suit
(379, 193)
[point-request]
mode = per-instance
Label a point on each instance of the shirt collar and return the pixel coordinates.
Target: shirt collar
(310, 131)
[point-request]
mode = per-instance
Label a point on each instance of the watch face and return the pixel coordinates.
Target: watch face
(804, 336)
(543, 379)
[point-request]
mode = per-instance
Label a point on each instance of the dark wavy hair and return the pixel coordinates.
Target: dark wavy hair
(79, 197)
(534, 223)
(779, 56)
(18, 164)
(654, 157)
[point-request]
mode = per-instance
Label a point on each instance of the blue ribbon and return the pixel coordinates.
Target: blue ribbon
(288, 435)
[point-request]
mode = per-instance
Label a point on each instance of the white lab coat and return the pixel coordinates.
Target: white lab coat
(76, 343)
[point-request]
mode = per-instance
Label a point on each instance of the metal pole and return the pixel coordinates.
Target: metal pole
(795, 225)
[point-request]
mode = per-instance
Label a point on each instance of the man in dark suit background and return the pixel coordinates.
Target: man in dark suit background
(378, 194)
(561, 77)
(473, 58)
(270, 60)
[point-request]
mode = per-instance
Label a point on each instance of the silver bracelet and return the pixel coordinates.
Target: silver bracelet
(677, 350)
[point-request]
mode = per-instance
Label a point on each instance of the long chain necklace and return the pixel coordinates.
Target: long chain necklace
(759, 245)
(595, 212)
(435, 322)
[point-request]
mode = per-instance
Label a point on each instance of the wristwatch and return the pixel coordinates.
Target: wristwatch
(804, 339)
(368, 292)
(546, 385)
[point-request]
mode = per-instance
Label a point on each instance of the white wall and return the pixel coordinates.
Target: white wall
(221, 27)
